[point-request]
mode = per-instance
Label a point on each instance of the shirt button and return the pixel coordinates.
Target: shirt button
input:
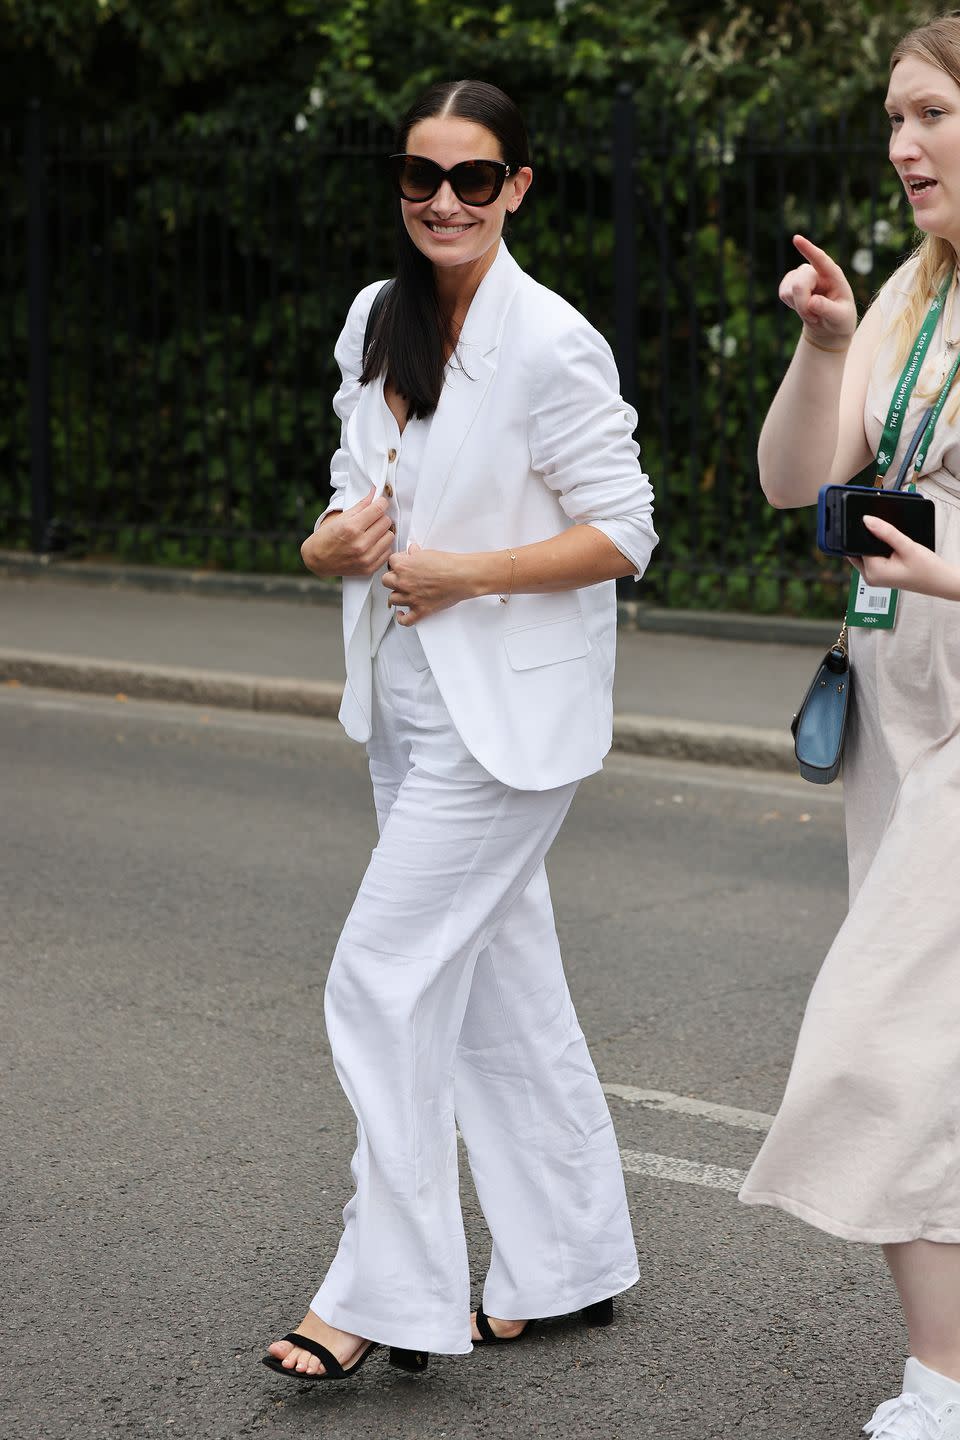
(391, 455)
(388, 490)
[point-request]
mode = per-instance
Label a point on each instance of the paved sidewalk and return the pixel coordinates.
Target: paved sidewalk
(688, 696)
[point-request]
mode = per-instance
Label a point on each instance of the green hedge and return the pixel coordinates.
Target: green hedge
(202, 265)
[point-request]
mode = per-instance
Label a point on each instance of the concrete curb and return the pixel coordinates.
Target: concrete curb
(167, 682)
(159, 579)
(744, 746)
(675, 739)
(728, 625)
(307, 589)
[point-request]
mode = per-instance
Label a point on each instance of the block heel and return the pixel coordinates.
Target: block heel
(600, 1313)
(413, 1361)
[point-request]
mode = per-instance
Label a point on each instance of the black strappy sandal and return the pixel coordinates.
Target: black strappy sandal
(413, 1361)
(600, 1313)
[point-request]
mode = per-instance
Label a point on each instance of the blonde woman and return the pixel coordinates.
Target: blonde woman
(866, 1143)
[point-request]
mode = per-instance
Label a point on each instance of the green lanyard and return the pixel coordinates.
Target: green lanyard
(905, 386)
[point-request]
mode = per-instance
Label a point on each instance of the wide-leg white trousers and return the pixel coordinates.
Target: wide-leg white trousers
(446, 1004)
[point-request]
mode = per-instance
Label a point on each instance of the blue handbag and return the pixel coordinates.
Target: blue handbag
(820, 724)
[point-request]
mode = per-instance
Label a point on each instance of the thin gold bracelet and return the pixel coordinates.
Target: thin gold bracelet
(828, 349)
(513, 571)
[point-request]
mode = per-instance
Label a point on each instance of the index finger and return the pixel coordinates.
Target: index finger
(819, 259)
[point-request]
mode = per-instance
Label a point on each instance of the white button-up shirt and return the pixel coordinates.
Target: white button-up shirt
(407, 448)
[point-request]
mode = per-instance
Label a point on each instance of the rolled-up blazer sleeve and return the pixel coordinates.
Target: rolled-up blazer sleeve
(581, 441)
(348, 353)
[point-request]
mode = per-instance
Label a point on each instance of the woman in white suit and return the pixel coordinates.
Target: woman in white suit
(487, 493)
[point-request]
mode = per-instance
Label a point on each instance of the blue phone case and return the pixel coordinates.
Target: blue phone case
(824, 527)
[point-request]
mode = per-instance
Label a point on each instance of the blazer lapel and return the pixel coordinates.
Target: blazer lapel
(466, 385)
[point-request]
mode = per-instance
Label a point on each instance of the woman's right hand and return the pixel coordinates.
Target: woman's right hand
(357, 541)
(820, 294)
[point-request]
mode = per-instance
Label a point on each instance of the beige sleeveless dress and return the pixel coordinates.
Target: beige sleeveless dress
(866, 1142)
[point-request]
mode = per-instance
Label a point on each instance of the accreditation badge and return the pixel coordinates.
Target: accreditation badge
(871, 606)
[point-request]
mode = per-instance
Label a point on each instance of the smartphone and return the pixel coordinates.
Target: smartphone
(840, 512)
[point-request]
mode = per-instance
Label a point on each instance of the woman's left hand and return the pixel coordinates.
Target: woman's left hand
(422, 581)
(910, 567)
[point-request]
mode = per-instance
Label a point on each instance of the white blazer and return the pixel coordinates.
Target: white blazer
(530, 437)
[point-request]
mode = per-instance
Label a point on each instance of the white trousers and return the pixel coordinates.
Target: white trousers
(446, 1004)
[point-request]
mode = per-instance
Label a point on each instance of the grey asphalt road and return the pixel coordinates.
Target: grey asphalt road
(176, 1147)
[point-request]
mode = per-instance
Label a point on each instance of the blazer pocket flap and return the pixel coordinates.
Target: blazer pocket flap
(533, 645)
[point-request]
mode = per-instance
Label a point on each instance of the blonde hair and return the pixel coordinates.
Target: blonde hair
(938, 43)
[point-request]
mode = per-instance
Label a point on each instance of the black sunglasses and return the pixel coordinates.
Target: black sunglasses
(474, 182)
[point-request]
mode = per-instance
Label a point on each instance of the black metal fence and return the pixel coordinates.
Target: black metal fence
(170, 312)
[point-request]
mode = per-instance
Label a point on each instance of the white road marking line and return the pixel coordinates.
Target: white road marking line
(45, 704)
(684, 1105)
(686, 1172)
(671, 1167)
